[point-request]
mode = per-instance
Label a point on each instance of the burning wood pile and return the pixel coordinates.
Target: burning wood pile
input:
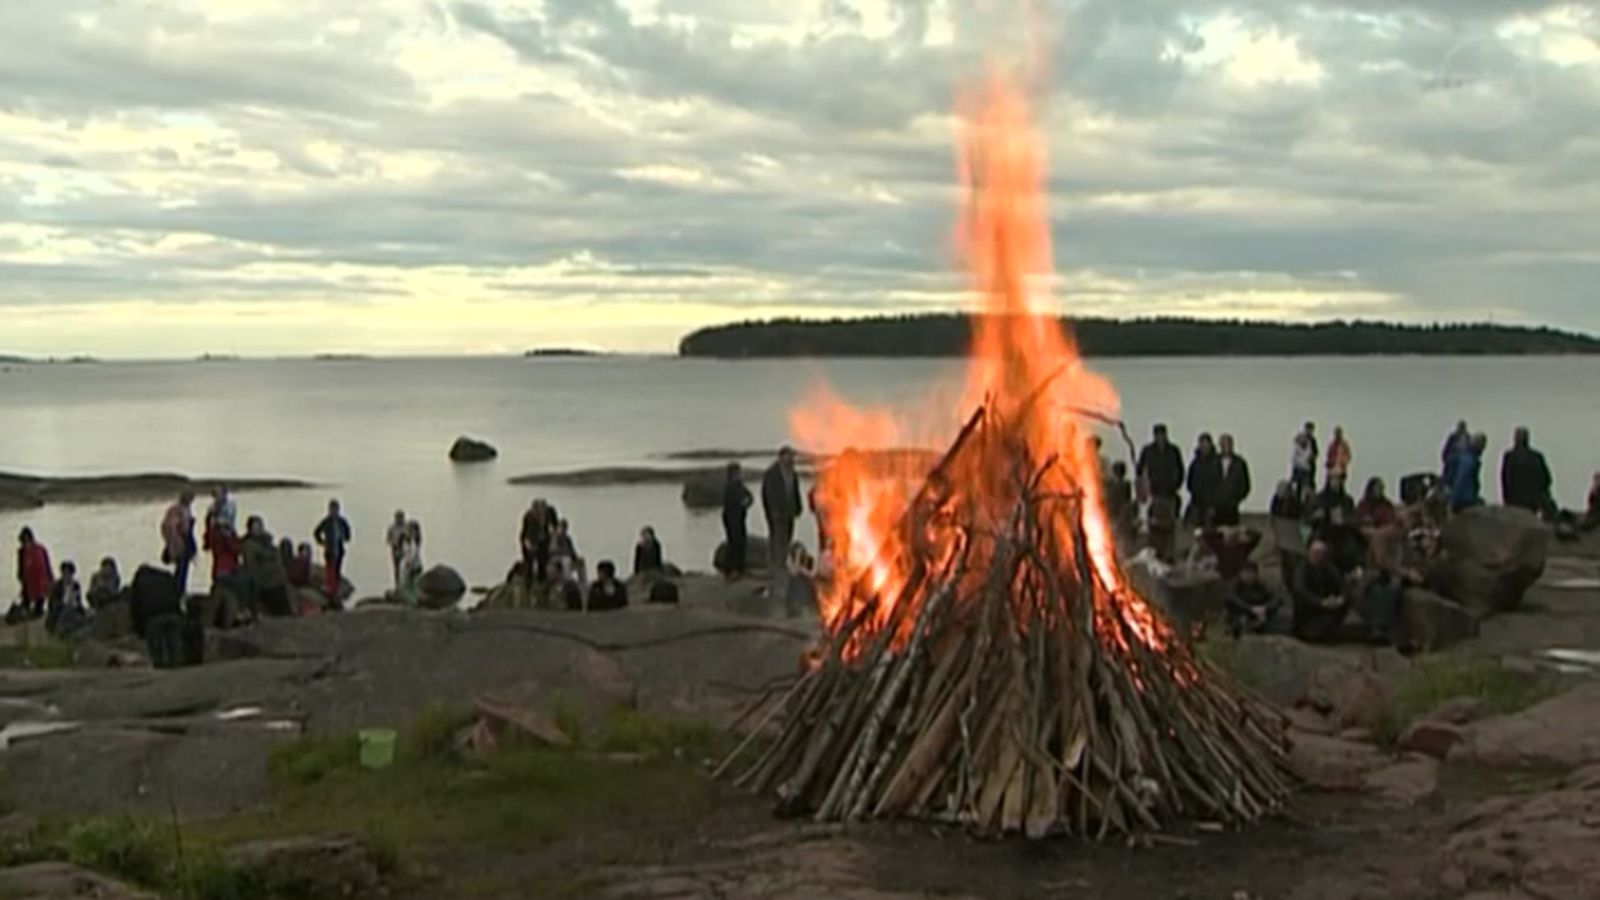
(985, 660)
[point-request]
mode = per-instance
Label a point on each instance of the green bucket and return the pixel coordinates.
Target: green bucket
(377, 748)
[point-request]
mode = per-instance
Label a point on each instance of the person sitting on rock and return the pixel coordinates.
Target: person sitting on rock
(66, 613)
(299, 567)
(1379, 522)
(1321, 602)
(607, 593)
(105, 585)
(269, 580)
(1286, 503)
(1119, 503)
(800, 594)
(1251, 604)
(647, 554)
(1230, 548)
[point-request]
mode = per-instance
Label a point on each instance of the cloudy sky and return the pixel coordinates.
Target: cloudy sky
(445, 176)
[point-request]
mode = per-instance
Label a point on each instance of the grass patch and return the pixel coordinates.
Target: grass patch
(625, 731)
(50, 654)
(1433, 680)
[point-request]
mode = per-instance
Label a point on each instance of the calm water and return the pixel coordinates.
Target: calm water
(376, 434)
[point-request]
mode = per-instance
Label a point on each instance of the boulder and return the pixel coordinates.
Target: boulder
(1540, 845)
(111, 622)
(1330, 764)
(319, 578)
(469, 450)
(703, 488)
(1429, 738)
(335, 866)
(41, 881)
(1490, 556)
(755, 554)
(1351, 689)
(1434, 623)
(441, 587)
(1562, 732)
(1404, 784)
(1189, 597)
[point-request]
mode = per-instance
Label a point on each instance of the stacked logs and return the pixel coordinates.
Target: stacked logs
(1008, 689)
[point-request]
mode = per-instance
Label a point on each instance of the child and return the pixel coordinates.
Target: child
(607, 593)
(1251, 604)
(66, 613)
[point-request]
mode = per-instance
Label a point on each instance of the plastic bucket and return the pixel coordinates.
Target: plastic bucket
(377, 748)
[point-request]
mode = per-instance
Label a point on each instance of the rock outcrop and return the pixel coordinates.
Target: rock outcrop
(1541, 845)
(469, 450)
(1490, 556)
(1562, 732)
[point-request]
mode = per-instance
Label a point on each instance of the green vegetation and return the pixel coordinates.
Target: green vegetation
(435, 808)
(1433, 680)
(948, 334)
(46, 653)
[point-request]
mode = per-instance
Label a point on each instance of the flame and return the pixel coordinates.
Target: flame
(1024, 370)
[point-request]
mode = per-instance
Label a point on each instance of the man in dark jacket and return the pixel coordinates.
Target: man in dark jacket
(1160, 471)
(333, 533)
(1205, 476)
(1233, 484)
(1321, 602)
(1525, 480)
(780, 500)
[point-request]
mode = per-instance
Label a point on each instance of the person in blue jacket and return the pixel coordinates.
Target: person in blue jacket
(1466, 488)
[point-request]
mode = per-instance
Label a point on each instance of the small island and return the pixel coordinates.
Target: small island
(33, 491)
(560, 353)
(950, 335)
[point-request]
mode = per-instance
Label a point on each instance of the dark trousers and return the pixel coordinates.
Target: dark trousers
(180, 573)
(737, 539)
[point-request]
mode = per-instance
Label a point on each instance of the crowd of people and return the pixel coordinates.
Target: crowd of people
(1358, 554)
(1362, 552)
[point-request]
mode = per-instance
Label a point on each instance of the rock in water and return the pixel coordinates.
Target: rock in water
(441, 587)
(467, 449)
(755, 554)
(703, 489)
(1490, 556)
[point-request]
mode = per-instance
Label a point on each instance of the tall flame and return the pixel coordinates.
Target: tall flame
(1023, 367)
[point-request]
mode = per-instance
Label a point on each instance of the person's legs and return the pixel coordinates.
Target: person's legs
(778, 561)
(180, 574)
(331, 579)
(736, 548)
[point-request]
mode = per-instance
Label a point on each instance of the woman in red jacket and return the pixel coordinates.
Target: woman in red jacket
(34, 572)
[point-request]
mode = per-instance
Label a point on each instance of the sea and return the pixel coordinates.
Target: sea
(375, 434)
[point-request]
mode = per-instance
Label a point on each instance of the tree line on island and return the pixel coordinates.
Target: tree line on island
(950, 334)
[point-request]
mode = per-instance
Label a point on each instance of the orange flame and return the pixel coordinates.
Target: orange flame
(1023, 368)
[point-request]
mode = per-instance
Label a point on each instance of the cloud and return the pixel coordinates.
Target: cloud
(460, 175)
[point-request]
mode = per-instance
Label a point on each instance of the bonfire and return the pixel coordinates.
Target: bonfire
(985, 660)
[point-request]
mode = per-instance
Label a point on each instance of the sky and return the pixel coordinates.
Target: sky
(267, 177)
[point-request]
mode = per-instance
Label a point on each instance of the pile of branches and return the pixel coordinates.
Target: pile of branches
(1007, 688)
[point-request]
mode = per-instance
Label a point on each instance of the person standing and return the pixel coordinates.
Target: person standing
(736, 502)
(647, 554)
(1205, 475)
(1525, 481)
(177, 539)
(1466, 491)
(1233, 484)
(1454, 443)
(34, 572)
(538, 530)
(223, 510)
(780, 502)
(395, 539)
(269, 578)
(1339, 457)
(1160, 473)
(333, 534)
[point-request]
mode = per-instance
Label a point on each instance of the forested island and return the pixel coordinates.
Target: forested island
(950, 335)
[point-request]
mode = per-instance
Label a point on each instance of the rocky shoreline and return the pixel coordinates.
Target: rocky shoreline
(33, 491)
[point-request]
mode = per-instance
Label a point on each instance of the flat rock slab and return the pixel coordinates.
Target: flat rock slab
(60, 881)
(1543, 845)
(1562, 732)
